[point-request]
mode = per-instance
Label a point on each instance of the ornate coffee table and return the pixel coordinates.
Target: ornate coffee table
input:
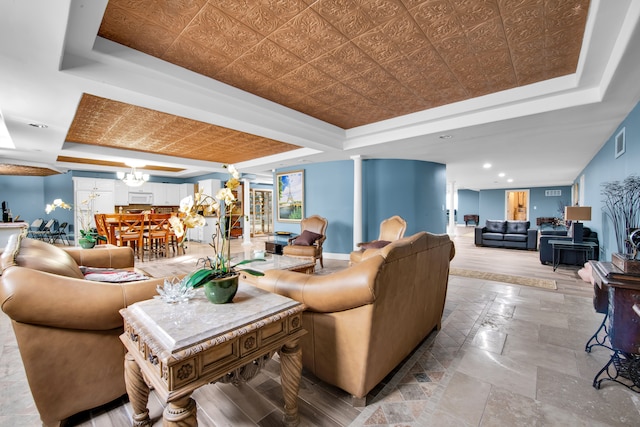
(180, 347)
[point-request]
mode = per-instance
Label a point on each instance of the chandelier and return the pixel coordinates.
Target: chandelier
(133, 178)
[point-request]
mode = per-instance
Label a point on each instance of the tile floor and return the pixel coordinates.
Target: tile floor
(506, 355)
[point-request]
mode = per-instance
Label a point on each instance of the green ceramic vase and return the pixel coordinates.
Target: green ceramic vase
(86, 244)
(221, 291)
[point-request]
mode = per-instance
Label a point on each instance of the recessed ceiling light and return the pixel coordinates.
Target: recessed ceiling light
(501, 174)
(445, 137)
(487, 165)
(510, 180)
(38, 125)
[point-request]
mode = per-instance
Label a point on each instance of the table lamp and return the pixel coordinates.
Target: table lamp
(575, 214)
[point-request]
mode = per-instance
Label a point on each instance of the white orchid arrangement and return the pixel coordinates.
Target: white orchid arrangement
(192, 214)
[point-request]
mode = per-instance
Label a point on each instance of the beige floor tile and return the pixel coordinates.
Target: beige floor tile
(464, 398)
(502, 371)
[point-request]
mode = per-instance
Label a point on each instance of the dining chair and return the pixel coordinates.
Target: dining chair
(156, 234)
(130, 232)
(101, 228)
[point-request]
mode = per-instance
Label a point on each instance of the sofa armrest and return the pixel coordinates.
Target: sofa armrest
(342, 290)
(103, 256)
(532, 239)
(478, 235)
(35, 297)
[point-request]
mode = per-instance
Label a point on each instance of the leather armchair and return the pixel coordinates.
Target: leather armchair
(391, 229)
(315, 224)
(364, 320)
(67, 328)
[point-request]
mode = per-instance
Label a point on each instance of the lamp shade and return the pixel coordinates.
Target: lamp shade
(577, 213)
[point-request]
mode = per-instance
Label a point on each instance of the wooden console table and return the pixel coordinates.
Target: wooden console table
(623, 332)
(474, 218)
(178, 348)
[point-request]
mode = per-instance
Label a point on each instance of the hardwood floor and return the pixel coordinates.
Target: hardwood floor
(506, 355)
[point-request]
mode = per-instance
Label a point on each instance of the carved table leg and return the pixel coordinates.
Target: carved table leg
(180, 413)
(290, 372)
(138, 392)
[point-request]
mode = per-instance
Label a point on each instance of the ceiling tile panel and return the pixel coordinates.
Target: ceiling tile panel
(474, 12)
(270, 60)
(354, 23)
(301, 45)
(377, 45)
(381, 11)
(134, 31)
(405, 34)
(307, 78)
(195, 57)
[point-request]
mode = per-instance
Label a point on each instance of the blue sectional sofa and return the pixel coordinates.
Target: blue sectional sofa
(507, 234)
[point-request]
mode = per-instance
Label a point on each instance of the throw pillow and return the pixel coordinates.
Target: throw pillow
(111, 275)
(307, 238)
(376, 244)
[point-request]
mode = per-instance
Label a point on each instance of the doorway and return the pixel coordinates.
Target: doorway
(517, 203)
(261, 216)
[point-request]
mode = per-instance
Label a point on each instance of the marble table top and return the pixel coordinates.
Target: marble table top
(181, 325)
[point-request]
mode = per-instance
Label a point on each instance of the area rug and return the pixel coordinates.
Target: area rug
(506, 278)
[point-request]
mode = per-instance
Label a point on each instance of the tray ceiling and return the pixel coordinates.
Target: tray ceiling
(352, 63)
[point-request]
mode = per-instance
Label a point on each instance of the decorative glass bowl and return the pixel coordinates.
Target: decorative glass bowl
(175, 291)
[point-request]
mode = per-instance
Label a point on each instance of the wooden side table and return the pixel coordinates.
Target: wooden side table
(623, 292)
(178, 348)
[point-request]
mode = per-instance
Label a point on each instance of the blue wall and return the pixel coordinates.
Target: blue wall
(328, 192)
(604, 167)
(413, 189)
(468, 204)
(25, 196)
(492, 203)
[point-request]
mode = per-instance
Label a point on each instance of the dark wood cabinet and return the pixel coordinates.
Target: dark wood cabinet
(619, 293)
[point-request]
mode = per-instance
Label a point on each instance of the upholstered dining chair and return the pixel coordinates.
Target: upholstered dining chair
(309, 243)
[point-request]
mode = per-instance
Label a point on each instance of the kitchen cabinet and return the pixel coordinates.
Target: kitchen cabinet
(121, 193)
(165, 194)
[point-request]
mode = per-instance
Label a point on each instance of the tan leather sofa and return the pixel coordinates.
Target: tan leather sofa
(68, 328)
(364, 320)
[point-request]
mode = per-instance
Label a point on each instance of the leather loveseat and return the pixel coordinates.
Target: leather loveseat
(67, 328)
(364, 320)
(507, 234)
(568, 257)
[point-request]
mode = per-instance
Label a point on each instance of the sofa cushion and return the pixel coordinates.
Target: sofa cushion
(38, 255)
(517, 227)
(515, 237)
(492, 236)
(494, 226)
(307, 238)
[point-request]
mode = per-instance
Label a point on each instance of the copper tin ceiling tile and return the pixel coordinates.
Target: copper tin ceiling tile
(108, 123)
(19, 170)
(296, 52)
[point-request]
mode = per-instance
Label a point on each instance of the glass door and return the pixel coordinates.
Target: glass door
(261, 212)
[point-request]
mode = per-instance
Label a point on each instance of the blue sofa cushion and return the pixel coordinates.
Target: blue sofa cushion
(494, 226)
(515, 237)
(492, 236)
(517, 227)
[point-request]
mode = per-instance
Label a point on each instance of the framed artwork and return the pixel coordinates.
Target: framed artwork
(290, 186)
(620, 143)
